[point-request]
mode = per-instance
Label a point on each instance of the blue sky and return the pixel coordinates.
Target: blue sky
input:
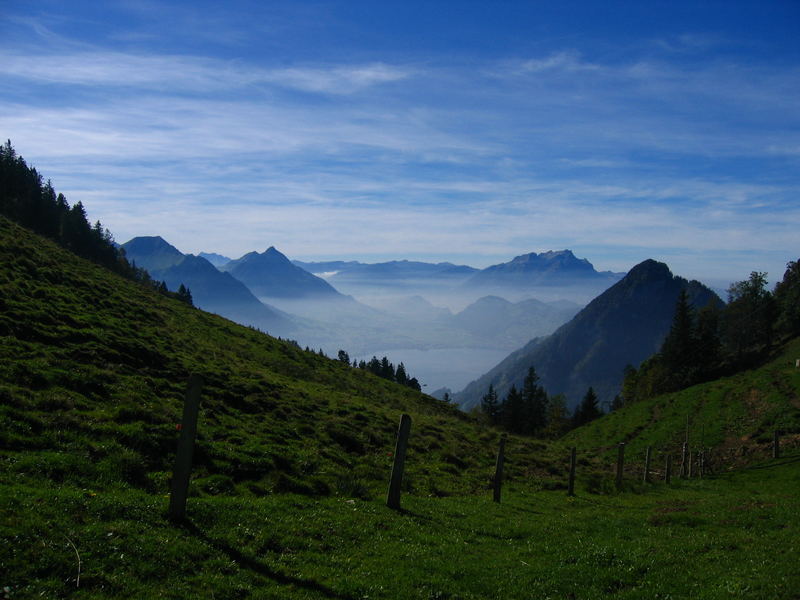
(462, 131)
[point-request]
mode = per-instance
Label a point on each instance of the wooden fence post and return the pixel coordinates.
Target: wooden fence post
(702, 463)
(668, 470)
(647, 452)
(572, 462)
(683, 459)
(776, 444)
(393, 497)
(689, 470)
(620, 463)
(498, 468)
(183, 457)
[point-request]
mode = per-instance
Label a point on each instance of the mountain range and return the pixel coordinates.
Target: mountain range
(212, 290)
(623, 326)
(312, 309)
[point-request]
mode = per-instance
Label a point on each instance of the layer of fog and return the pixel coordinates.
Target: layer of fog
(417, 323)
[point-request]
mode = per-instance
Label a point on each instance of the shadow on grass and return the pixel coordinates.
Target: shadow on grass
(777, 462)
(260, 568)
(584, 498)
(523, 509)
(786, 459)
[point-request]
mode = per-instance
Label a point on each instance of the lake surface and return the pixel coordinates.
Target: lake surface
(442, 367)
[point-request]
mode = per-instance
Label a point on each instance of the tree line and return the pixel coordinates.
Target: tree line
(383, 368)
(35, 205)
(713, 341)
(532, 411)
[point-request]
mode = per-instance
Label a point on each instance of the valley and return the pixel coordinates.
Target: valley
(293, 456)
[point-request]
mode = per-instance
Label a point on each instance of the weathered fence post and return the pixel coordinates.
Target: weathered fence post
(183, 457)
(620, 463)
(776, 444)
(668, 470)
(647, 452)
(689, 470)
(702, 463)
(683, 459)
(498, 468)
(396, 481)
(572, 462)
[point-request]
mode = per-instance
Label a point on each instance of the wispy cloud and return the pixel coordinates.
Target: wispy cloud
(189, 73)
(437, 157)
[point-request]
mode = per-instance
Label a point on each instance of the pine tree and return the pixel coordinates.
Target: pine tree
(490, 405)
(678, 348)
(558, 420)
(400, 375)
(534, 398)
(374, 366)
(185, 295)
(588, 410)
(750, 315)
(386, 369)
(512, 412)
(708, 349)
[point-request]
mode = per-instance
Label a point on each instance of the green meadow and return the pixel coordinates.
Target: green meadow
(294, 451)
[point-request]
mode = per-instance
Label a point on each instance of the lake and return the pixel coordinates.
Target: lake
(442, 367)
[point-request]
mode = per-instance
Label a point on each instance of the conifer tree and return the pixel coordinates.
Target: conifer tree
(750, 315)
(386, 369)
(400, 375)
(512, 412)
(587, 410)
(534, 398)
(490, 405)
(184, 295)
(678, 348)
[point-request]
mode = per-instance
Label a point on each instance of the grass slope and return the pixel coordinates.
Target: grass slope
(734, 416)
(292, 460)
(732, 537)
(92, 380)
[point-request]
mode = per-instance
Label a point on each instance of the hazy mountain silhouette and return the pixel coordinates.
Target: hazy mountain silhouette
(212, 290)
(153, 253)
(270, 274)
(492, 317)
(624, 325)
(215, 259)
(394, 271)
(548, 268)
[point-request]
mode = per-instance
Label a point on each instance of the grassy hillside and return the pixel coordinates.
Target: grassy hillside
(734, 416)
(92, 380)
(292, 460)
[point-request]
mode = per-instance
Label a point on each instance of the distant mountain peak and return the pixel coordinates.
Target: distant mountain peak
(650, 268)
(273, 252)
(552, 268)
(272, 274)
(152, 242)
(152, 252)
